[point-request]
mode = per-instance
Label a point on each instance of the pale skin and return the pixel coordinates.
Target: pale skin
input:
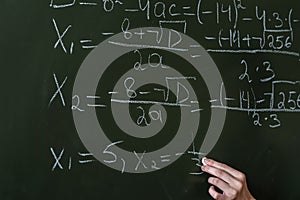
(230, 181)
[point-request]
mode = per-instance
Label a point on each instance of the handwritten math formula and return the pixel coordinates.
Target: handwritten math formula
(274, 32)
(64, 161)
(150, 85)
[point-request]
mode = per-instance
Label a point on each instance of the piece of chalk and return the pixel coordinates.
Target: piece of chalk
(203, 161)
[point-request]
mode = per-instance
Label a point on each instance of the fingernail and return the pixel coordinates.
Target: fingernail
(207, 161)
(203, 168)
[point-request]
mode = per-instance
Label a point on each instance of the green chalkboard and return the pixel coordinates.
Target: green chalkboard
(120, 100)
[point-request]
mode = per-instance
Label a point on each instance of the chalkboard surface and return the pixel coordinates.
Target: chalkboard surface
(119, 100)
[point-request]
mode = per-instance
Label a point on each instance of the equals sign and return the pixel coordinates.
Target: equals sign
(95, 105)
(85, 155)
(83, 42)
(165, 158)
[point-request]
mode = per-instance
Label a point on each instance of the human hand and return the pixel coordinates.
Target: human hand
(230, 181)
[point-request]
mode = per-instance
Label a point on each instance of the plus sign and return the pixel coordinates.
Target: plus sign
(141, 33)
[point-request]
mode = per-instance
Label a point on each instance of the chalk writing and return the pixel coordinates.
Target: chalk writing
(260, 92)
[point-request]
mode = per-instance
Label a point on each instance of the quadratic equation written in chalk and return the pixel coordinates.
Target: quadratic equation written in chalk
(273, 33)
(280, 96)
(146, 81)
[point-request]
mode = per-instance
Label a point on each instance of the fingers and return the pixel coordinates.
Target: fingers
(236, 174)
(219, 183)
(230, 181)
(222, 175)
(214, 194)
(228, 191)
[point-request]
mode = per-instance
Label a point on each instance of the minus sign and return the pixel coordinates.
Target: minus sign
(85, 161)
(92, 105)
(84, 41)
(195, 56)
(189, 14)
(197, 110)
(195, 46)
(229, 99)
(207, 12)
(93, 97)
(210, 38)
(131, 10)
(86, 3)
(144, 93)
(296, 20)
(260, 101)
(89, 47)
(107, 33)
(247, 19)
(112, 92)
